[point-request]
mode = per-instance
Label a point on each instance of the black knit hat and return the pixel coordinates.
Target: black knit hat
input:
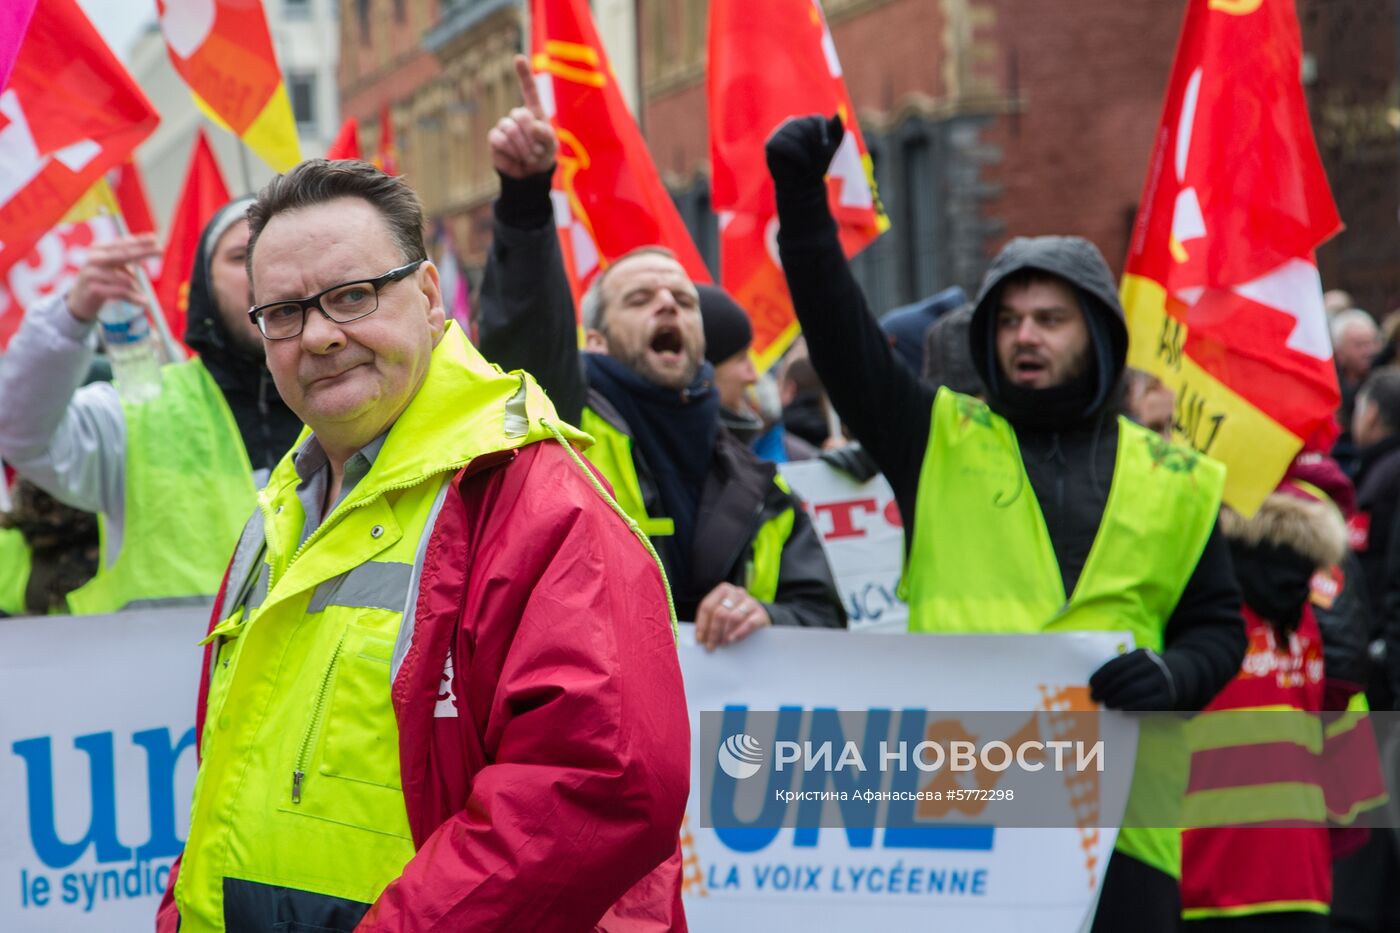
(947, 356)
(727, 327)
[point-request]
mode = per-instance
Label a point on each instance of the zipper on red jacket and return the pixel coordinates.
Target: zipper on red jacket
(317, 713)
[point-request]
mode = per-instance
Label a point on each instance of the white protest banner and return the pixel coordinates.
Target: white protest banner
(986, 879)
(861, 533)
(97, 762)
(97, 765)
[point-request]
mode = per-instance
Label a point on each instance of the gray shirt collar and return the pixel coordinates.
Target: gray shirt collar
(314, 470)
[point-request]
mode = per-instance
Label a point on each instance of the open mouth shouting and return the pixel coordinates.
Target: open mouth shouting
(667, 344)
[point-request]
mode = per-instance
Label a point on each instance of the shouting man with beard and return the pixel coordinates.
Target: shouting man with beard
(739, 551)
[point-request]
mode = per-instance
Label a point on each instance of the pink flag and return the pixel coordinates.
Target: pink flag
(14, 22)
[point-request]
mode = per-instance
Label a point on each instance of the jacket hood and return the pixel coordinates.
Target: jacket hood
(1079, 263)
(1310, 527)
(466, 408)
(204, 329)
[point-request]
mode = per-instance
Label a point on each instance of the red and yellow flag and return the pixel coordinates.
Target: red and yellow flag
(69, 113)
(1221, 288)
(770, 61)
(202, 196)
(224, 52)
(608, 196)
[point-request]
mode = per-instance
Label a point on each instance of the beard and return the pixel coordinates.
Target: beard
(636, 359)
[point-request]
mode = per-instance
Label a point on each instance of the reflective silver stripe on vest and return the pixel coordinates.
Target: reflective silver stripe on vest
(372, 585)
(410, 612)
(165, 602)
(247, 559)
(259, 591)
(517, 418)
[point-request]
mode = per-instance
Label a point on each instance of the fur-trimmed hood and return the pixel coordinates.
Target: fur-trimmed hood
(1312, 527)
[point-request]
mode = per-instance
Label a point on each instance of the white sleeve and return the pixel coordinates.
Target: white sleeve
(69, 441)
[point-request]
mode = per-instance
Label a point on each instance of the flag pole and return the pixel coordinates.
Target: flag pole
(243, 166)
(171, 349)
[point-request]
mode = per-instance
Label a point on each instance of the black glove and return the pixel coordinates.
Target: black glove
(800, 151)
(1137, 681)
(853, 460)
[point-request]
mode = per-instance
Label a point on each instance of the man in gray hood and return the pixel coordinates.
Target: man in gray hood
(1004, 501)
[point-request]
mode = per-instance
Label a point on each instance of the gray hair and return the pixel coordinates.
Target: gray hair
(1347, 318)
(591, 306)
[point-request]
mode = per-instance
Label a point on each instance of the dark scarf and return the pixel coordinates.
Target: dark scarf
(675, 432)
(1275, 582)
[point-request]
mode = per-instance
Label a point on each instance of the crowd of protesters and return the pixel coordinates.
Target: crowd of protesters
(995, 420)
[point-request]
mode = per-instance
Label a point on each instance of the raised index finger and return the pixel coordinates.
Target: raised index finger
(529, 93)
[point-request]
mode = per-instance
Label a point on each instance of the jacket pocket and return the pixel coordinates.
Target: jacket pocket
(362, 736)
(347, 765)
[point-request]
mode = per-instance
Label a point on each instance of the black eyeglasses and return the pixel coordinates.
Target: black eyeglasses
(349, 301)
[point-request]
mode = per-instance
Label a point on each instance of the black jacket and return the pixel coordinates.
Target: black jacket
(268, 427)
(1070, 466)
(1378, 496)
(527, 322)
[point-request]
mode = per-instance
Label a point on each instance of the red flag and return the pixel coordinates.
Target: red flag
(387, 159)
(126, 183)
(770, 61)
(347, 141)
(224, 52)
(50, 268)
(1223, 296)
(69, 114)
(202, 196)
(608, 196)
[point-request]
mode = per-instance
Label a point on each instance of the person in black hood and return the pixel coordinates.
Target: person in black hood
(1048, 339)
(219, 330)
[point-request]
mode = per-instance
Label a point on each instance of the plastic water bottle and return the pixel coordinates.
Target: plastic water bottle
(126, 333)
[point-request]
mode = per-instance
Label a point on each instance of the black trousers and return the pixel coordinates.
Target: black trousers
(1366, 887)
(1137, 898)
(1285, 922)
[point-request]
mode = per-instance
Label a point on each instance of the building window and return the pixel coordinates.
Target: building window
(301, 88)
(362, 10)
(920, 259)
(297, 9)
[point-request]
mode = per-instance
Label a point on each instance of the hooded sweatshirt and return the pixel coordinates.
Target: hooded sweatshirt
(268, 427)
(1068, 434)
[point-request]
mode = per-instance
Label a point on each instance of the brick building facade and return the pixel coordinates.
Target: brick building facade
(986, 119)
(994, 118)
(444, 69)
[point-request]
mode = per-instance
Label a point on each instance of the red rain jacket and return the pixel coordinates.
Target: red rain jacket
(553, 800)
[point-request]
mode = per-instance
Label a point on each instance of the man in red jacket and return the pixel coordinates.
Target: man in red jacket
(440, 689)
